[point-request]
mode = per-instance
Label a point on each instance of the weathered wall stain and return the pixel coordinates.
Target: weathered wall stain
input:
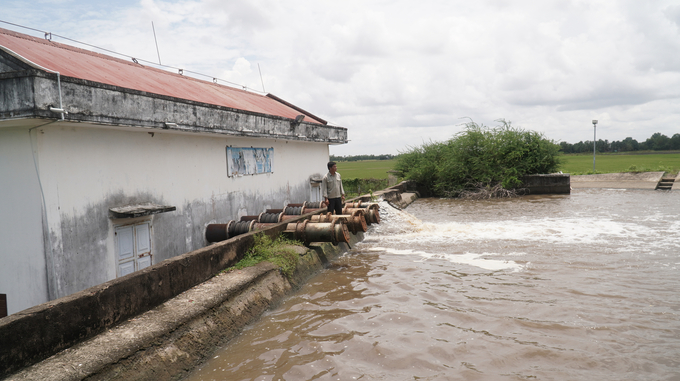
(83, 256)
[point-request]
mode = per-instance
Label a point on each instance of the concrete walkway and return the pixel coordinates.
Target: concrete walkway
(643, 180)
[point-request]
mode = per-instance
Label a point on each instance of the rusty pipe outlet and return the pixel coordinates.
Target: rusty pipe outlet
(362, 205)
(372, 214)
(306, 231)
(355, 222)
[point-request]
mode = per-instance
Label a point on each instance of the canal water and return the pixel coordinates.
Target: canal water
(572, 287)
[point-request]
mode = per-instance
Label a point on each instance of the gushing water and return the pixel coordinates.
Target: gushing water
(575, 287)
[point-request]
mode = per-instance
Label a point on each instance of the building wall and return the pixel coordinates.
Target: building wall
(23, 275)
(86, 170)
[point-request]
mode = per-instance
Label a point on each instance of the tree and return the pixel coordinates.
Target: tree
(658, 142)
(675, 142)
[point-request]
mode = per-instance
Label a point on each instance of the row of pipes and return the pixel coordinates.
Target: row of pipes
(322, 227)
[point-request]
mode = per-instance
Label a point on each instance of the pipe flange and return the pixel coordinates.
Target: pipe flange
(334, 238)
(303, 226)
(227, 228)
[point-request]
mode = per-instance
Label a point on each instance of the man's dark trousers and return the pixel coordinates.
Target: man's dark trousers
(335, 205)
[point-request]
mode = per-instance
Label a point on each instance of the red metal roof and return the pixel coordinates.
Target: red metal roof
(83, 64)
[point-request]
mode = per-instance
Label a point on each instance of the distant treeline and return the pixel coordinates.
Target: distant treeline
(363, 157)
(658, 142)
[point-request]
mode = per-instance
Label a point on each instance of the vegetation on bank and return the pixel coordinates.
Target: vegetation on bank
(276, 251)
(479, 160)
(576, 164)
(365, 173)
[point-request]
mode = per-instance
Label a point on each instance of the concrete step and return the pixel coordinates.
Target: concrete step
(665, 183)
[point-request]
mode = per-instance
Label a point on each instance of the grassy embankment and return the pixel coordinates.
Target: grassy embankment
(574, 164)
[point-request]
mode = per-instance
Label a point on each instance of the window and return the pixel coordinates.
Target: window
(133, 248)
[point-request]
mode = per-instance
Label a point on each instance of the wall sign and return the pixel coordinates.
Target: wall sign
(249, 161)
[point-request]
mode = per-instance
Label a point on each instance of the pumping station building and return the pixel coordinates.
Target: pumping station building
(108, 166)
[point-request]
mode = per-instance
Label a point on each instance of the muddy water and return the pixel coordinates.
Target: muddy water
(578, 287)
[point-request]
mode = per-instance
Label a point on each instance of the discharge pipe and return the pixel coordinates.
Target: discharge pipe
(355, 222)
(306, 231)
(222, 232)
(372, 214)
(359, 204)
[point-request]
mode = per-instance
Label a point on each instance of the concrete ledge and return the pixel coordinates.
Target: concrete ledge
(643, 180)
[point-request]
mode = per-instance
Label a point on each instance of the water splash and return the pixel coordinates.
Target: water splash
(400, 229)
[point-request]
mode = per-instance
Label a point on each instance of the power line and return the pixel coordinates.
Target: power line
(180, 71)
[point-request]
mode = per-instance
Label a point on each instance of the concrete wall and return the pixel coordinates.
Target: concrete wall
(85, 170)
(23, 275)
(557, 183)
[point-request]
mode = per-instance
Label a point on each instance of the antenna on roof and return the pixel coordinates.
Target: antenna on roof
(258, 68)
(154, 38)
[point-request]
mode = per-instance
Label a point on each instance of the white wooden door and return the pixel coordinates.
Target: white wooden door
(133, 247)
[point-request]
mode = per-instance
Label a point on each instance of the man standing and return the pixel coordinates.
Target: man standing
(332, 191)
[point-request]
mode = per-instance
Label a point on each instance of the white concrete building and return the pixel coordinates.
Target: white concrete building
(136, 166)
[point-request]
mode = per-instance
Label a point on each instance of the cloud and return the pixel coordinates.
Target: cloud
(397, 72)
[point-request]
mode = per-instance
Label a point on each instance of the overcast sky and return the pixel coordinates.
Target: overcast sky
(399, 73)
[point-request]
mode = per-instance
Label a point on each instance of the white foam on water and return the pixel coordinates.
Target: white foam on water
(471, 259)
(399, 226)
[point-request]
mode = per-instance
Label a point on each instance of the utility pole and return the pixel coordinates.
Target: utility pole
(594, 141)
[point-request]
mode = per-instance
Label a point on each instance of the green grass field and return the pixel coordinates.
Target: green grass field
(366, 169)
(610, 163)
(574, 164)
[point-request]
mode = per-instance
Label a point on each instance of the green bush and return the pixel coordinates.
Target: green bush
(479, 158)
